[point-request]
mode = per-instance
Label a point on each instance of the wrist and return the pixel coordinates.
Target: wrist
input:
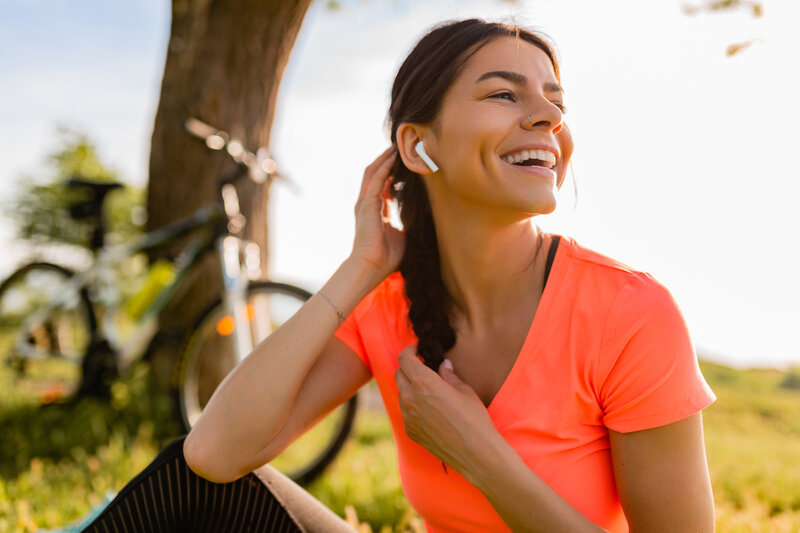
(351, 282)
(494, 457)
(365, 271)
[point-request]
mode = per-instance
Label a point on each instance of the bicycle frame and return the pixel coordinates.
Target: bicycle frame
(220, 228)
(101, 274)
(146, 326)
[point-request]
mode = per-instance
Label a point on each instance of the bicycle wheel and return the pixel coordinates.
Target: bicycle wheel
(45, 328)
(209, 355)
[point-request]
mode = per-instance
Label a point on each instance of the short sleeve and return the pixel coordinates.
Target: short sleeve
(350, 333)
(648, 371)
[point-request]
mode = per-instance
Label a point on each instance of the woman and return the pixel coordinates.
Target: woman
(532, 384)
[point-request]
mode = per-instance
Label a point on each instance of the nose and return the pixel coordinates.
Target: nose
(546, 116)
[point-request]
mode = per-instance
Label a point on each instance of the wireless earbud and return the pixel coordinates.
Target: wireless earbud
(420, 148)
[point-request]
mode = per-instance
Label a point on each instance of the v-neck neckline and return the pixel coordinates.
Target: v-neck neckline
(550, 287)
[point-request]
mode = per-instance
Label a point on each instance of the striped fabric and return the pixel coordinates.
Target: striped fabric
(168, 496)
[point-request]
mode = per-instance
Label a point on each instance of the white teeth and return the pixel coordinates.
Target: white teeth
(522, 155)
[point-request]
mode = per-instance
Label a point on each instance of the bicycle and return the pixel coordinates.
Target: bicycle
(67, 334)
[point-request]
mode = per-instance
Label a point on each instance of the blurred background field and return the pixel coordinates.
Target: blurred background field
(58, 462)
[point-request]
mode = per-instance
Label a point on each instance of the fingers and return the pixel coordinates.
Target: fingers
(403, 384)
(386, 209)
(370, 170)
(448, 374)
(376, 173)
(379, 177)
(401, 376)
(410, 365)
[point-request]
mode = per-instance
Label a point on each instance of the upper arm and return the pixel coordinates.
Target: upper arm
(662, 477)
(337, 374)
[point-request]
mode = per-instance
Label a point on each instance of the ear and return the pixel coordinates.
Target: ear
(408, 135)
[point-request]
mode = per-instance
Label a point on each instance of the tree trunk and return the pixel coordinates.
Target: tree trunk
(224, 64)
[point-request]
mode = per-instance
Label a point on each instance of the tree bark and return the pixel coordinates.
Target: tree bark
(224, 64)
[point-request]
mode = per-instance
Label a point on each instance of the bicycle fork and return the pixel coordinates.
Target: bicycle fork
(235, 293)
(235, 278)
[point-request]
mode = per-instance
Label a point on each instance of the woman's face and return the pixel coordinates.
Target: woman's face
(489, 152)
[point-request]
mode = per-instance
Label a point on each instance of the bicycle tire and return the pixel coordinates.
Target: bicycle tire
(200, 368)
(46, 362)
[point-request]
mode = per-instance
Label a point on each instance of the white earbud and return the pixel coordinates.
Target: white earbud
(420, 148)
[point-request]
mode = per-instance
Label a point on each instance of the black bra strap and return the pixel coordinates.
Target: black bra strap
(551, 254)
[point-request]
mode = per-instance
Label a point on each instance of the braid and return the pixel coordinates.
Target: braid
(417, 95)
(420, 267)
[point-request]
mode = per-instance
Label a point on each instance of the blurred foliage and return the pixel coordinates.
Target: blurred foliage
(756, 10)
(40, 209)
(792, 379)
(735, 48)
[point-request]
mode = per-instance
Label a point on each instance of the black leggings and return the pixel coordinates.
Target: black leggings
(168, 496)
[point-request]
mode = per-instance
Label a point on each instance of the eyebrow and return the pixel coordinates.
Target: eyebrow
(517, 79)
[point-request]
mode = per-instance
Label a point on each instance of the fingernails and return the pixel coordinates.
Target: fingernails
(447, 364)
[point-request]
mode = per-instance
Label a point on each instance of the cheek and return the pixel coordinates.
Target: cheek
(469, 135)
(465, 157)
(567, 146)
(566, 143)
(473, 156)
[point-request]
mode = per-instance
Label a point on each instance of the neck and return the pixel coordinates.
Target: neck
(487, 264)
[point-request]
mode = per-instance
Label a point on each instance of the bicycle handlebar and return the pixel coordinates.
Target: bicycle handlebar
(261, 167)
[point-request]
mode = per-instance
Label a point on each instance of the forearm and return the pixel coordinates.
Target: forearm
(522, 499)
(251, 405)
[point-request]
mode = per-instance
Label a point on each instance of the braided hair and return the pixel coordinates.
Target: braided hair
(417, 95)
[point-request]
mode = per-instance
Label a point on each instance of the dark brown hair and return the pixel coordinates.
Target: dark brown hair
(417, 94)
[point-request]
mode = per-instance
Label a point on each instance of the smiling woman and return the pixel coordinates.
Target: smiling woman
(532, 384)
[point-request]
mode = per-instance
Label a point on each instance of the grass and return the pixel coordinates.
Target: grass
(753, 444)
(57, 462)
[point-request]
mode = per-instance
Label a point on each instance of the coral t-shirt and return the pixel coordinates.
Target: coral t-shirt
(607, 349)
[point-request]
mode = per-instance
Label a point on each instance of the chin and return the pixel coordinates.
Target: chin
(547, 210)
(543, 205)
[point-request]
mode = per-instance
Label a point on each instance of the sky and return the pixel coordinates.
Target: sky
(683, 164)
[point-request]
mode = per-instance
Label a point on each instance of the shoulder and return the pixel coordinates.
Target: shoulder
(607, 282)
(595, 263)
(612, 303)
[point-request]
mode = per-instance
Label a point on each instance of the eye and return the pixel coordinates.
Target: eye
(561, 107)
(504, 95)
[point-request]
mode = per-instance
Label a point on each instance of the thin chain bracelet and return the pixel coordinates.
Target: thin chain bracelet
(339, 313)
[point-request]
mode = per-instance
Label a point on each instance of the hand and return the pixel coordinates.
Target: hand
(441, 412)
(376, 241)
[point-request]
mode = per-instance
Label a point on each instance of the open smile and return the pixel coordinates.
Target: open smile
(532, 157)
(536, 162)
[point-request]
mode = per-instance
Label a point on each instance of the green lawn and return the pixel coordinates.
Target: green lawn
(753, 444)
(55, 462)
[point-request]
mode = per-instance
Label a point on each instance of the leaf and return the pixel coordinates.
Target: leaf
(755, 8)
(735, 48)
